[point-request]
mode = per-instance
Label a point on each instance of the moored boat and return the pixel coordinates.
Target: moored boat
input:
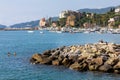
(30, 31)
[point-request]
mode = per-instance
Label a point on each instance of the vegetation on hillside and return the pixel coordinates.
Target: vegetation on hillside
(95, 19)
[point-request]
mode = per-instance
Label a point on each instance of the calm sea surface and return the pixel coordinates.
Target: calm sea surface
(26, 44)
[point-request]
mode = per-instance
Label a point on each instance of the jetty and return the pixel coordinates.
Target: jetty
(101, 56)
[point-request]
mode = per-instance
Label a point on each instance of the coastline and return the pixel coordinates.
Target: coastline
(69, 30)
(101, 56)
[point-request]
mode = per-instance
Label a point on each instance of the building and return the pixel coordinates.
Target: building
(111, 22)
(63, 14)
(117, 10)
(70, 20)
(91, 15)
(70, 16)
(42, 23)
(66, 13)
(54, 24)
(87, 25)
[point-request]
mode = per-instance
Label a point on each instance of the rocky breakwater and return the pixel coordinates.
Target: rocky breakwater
(101, 56)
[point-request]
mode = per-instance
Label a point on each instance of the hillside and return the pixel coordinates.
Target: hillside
(98, 11)
(2, 26)
(30, 24)
(26, 24)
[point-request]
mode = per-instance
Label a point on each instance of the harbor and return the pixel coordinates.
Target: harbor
(82, 30)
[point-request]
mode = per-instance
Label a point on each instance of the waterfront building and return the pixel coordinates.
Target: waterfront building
(54, 24)
(87, 25)
(111, 22)
(42, 23)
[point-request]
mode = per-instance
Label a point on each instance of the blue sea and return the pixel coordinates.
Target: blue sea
(26, 44)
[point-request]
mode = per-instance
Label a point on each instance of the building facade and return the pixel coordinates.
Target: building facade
(42, 23)
(117, 10)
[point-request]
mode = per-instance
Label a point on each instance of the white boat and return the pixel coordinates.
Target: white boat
(30, 31)
(86, 31)
(41, 32)
(58, 31)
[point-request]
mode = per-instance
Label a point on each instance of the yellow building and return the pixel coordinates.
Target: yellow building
(70, 20)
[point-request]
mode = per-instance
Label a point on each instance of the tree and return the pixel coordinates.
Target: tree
(62, 22)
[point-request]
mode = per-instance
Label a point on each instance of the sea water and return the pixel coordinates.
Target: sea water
(26, 44)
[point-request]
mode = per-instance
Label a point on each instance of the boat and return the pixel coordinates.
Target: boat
(116, 31)
(86, 32)
(30, 31)
(41, 32)
(58, 31)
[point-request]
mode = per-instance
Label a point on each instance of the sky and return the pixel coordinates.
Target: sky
(18, 11)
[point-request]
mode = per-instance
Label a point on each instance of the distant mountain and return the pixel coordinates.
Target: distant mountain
(31, 24)
(54, 18)
(26, 24)
(2, 26)
(98, 11)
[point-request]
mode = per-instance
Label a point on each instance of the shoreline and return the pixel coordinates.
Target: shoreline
(69, 30)
(101, 56)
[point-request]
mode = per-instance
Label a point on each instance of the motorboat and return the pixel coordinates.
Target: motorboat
(58, 31)
(30, 31)
(41, 32)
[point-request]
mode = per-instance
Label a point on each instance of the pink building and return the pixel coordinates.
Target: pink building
(42, 23)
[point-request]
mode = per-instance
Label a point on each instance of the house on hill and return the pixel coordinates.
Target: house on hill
(117, 10)
(70, 16)
(70, 20)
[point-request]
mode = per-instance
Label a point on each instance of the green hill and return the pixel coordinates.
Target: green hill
(26, 24)
(31, 24)
(98, 11)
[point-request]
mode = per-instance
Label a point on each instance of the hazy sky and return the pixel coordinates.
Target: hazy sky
(17, 11)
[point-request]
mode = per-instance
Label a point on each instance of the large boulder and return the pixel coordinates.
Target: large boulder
(93, 67)
(95, 63)
(47, 53)
(117, 68)
(82, 66)
(56, 53)
(62, 48)
(106, 68)
(77, 51)
(66, 62)
(56, 62)
(85, 55)
(75, 66)
(112, 61)
(73, 57)
(36, 58)
(94, 49)
(39, 58)
(98, 61)
(111, 47)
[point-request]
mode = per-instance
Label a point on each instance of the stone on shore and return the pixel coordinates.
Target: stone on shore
(101, 56)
